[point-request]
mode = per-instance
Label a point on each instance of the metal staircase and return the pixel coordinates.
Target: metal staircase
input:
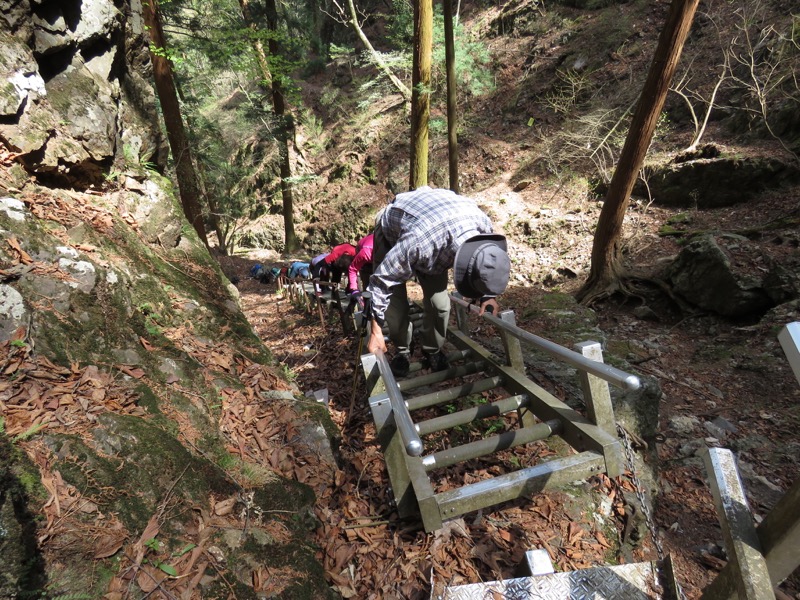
(532, 414)
(415, 456)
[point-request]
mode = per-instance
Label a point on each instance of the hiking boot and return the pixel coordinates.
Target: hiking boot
(400, 365)
(438, 361)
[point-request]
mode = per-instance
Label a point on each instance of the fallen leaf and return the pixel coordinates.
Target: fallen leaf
(225, 507)
(108, 545)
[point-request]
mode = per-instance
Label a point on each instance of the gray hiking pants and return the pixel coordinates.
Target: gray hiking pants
(435, 302)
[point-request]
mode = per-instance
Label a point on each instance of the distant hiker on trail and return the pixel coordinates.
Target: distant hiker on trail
(339, 260)
(361, 267)
(422, 234)
(299, 269)
(319, 270)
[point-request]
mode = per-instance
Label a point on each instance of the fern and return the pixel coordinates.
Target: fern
(31, 431)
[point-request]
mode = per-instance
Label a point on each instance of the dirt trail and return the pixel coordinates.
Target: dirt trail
(368, 553)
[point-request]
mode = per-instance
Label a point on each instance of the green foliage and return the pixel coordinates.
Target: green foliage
(438, 126)
(370, 172)
(474, 76)
(152, 320)
(341, 52)
(155, 546)
(28, 433)
(313, 127)
(401, 25)
(313, 67)
(378, 84)
(167, 53)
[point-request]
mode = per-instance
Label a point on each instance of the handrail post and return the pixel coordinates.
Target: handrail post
(779, 532)
(789, 337)
(317, 291)
(511, 343)
(461, 315)
(738, 530)
(596, 394)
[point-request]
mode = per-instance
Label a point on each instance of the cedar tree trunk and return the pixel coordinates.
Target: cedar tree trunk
(606, 270)
(452, 123)
(284, 133)
(173, 120)
(420, 92)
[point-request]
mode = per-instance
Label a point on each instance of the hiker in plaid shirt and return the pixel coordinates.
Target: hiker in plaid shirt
(422, 234)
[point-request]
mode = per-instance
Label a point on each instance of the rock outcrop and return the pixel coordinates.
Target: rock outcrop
(145, 435)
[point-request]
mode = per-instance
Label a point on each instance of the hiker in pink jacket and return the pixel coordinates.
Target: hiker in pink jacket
(338, 261)
(361, 265)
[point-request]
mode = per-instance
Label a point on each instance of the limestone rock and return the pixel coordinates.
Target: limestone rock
(716, 182)
(717, 273)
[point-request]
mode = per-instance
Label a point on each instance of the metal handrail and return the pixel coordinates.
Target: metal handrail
(789, 337)
(612, 375)
(402, 418)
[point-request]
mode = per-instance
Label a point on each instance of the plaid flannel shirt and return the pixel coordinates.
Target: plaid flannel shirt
(425, 227)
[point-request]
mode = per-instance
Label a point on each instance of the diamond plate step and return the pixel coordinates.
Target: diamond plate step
(639, 581)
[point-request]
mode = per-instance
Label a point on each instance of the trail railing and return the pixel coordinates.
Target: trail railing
(759, 557)
(454, 400)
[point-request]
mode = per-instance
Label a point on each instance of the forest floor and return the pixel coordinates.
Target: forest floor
(723, 384)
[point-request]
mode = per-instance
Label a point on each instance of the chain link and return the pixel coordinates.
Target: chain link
(639, 489)
(643, 501)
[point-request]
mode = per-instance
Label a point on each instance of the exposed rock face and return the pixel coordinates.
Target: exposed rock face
(110, 311)
(716, 182)
(74, 97)
(728, 275)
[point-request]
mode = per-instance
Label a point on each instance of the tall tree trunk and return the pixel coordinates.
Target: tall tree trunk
(452, 124)
(173, 120)
(213, 210)
(421, 92)
(606, 267)
(258, 45)
(284, 131)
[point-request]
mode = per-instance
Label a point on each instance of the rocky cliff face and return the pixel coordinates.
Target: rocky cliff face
(76, 100)
(131, 379)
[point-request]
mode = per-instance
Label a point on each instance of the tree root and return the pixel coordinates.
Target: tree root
(591, 294)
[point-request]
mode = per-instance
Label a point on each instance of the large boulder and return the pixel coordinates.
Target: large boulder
(782, 281)
(73, 23)
(723, 274)
(75, 100)
(716, 181)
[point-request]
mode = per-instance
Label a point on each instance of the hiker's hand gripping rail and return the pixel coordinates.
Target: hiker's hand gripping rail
(612, 375)
(402, 419)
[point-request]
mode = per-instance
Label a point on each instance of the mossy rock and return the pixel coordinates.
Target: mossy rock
(22, 565)
(130, 464)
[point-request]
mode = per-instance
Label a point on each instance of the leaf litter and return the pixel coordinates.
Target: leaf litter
(366, 550)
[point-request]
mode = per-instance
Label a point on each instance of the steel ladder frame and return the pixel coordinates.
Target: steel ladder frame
(594, 438)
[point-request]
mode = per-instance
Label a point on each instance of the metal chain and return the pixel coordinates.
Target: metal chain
(645, 504)
(639, 489)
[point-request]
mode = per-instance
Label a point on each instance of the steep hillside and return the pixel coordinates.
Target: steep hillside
(156, 438)
(143, 424)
